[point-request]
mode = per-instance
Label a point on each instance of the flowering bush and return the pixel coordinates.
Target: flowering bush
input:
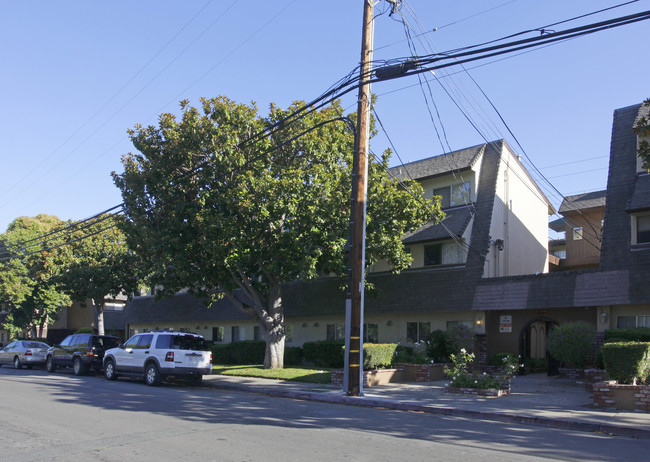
(462, 378)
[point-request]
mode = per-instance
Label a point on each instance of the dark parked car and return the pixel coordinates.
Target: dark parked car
(81, 352)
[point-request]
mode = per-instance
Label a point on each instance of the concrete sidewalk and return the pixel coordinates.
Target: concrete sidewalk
(535, 400)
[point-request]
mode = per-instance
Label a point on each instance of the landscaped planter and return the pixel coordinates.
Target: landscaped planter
(422, 372)
(593, 376)
(610, 396)
(372, 378)
(485, 392)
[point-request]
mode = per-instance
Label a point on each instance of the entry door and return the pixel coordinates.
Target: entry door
(537, 339)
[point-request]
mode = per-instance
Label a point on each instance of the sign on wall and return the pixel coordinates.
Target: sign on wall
(505, 324)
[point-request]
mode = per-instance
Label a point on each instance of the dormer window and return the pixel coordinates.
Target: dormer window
(641, 229)
(577, 234)
(453, 195)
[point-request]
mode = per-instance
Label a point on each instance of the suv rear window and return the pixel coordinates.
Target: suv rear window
(105, 342)
(181, 342)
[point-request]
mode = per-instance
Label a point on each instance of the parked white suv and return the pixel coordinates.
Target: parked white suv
(156, 355)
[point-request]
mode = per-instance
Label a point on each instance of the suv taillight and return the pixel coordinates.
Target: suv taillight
(169, 357)
(28, 353)
(90, 351)
(210, 358)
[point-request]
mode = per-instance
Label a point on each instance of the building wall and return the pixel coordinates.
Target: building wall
(520, 219)
(586, 250)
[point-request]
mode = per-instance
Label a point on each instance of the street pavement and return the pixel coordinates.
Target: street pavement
(535, 399)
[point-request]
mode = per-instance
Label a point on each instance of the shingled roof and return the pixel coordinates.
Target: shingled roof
(454, 224)
(463, 159)
(583, 201)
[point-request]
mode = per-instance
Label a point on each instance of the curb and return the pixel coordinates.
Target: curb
(564, 424)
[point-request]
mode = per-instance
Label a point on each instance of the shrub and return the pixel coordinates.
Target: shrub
(244, 352)
(85, 330)
(462, 378)
(325, 353)
(572, 343)
(438, 346)
(293, 356)
(627, 362)
(536, 364)
(461, 336)
(403, 354)
(377, 355)
(636, 334)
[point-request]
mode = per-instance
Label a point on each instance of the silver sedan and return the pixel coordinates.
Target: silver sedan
(21, 353)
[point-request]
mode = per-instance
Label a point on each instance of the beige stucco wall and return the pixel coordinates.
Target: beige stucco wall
(520, 219)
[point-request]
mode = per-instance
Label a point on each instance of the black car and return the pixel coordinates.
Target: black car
(82, 352)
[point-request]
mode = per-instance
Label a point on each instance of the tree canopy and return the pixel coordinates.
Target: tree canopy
(29, 264)
(97, 265)
(215, 209)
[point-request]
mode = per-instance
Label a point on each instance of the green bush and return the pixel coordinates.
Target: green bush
(439, 346)
(85, 330)
(572, 343)
(404, 354)
(536, 364)
(378, 355)
(325, 353)
(461, 336)
(293, 356)
(637, 334)
(627, 362)
(244, 352)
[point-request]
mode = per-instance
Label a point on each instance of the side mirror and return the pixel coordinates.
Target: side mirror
(121, 345)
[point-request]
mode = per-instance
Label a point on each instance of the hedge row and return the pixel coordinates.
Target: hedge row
(636, 334)
(324, 353)
(627, 362)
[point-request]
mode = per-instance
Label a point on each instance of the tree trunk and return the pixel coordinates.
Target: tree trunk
(98, 311)
(274, 329)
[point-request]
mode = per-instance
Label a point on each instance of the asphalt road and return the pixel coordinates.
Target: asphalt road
(60, 417)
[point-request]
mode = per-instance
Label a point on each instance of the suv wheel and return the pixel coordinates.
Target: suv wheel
(109, 370)
(152, 375)
(17, 364)
(49, 364)
(78, 367)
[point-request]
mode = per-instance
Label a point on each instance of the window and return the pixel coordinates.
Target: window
(145, 341)
(456, 194)
(235, 334)
(433, 254)
(577, 233)
(335, 332)
(629, 322)
(417, 331)
(370, 333)
(217, 334)
(642, 229)
(444, 253)
(132, 342)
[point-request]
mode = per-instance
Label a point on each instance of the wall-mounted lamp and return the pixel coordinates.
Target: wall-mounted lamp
(603, 316)
(499, 244)
(304, 324)
(316, 324)
(389, 323)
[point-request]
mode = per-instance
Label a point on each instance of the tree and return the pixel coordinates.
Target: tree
(216, 210)
(97, 265)
(28, 266)
(642, 130)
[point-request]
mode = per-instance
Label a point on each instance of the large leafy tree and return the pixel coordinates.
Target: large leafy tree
(28, 267)
(213, 208)
(97, 265)
(642, 130)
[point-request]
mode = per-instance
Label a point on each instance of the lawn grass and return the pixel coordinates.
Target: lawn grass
(297, 374)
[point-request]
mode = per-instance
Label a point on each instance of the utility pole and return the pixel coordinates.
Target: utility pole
(353, 379)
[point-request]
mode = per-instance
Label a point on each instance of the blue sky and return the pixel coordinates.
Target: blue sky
(76, 75)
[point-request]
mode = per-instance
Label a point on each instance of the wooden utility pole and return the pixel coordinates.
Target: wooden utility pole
(353, 381)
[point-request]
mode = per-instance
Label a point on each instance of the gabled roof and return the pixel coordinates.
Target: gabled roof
(454, 224)
(439, 165)
(583, 201)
